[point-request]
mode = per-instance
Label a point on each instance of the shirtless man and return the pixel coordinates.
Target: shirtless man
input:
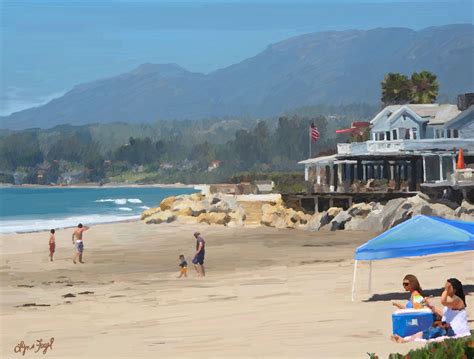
(77, 235)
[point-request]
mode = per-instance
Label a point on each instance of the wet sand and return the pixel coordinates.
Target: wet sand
(267, 293)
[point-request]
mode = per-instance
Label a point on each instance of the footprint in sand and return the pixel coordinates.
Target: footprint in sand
(86, 292)
(25, 286)
(69, 295)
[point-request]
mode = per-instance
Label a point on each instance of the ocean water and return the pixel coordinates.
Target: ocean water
(37, 209)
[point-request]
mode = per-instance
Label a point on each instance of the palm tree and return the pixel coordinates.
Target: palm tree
(395, 89)
(424, 87)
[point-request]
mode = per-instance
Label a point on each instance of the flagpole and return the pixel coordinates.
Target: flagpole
(309, 141)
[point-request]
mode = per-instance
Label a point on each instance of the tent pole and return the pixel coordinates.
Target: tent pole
(370, 277)
(354, 279)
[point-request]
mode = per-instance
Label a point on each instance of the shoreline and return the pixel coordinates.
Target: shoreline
(88, 185)
(134, 219)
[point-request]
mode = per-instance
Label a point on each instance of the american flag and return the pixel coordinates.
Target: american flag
(313, 132)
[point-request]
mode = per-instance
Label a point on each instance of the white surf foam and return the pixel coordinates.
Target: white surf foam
(144, 207)
(134, 200)
(120, 200)
(125, 209)
(36, 225)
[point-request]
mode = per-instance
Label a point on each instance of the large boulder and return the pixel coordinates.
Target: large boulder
(167, 203)
(181, 204)
(329, 216)
(465, 212)
(282, 222)
(382, 218)
(197, 197)
(340, 220)
(188, 207)
(224, 205)
(147, 213)
(356, 224)
(267, 219)
(314, 222)
(161, 217)
(334, 211)
(184, 212)
(269, 209)
(441, 210)
(237, 218)
(214, 218)
(361, 209)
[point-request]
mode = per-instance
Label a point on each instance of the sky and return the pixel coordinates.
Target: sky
(49, 46)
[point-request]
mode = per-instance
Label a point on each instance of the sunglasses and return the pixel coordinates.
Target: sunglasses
(405, 284)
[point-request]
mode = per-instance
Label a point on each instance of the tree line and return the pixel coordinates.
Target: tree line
(265, 146)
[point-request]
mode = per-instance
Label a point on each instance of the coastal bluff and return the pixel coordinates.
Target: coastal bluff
(270, 210)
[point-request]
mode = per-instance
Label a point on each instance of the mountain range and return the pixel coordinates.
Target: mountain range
(333, 68)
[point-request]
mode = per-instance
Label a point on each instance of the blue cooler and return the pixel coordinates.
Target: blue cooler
(410, 321)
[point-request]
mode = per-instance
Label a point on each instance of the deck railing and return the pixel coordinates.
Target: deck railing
(446, 144)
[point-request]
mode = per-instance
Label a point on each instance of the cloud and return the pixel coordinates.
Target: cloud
(15, 99)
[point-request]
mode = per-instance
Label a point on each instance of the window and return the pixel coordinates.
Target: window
(387, 135)
(382, 136)
(414, 134)
(407, 134)
(455, 133)
(394, 133)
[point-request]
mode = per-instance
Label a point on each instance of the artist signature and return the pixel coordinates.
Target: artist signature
(40, 344)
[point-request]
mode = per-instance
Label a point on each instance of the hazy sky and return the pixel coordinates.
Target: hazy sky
(48, 46)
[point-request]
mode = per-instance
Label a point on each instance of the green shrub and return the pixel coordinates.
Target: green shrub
(461, 348)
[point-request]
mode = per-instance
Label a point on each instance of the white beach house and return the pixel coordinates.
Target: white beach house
(410, 145)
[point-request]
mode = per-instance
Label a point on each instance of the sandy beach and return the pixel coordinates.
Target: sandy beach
(267, 293)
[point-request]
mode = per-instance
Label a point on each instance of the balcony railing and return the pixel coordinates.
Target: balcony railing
(368, 147)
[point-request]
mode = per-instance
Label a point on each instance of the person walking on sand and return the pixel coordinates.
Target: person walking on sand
(198, 260)
(52, 244)
(77, 235)
(183, 266)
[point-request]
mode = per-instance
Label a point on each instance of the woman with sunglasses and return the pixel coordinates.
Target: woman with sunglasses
(454, 315)
(411, 284)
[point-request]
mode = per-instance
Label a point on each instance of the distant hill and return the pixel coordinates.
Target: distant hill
(331, 68)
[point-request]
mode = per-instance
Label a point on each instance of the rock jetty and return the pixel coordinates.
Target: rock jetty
(269, 210)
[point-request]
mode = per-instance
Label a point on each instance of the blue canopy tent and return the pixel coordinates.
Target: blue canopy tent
(418, 236)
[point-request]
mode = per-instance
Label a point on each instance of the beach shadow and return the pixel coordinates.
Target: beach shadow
(468, 288)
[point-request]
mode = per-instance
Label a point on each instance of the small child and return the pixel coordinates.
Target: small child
(52, 244)
(184, 266)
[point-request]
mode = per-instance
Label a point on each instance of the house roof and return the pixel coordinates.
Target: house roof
(436, 114)
(460, 120)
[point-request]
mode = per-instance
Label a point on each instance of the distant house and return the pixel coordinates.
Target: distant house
(264, 186)
(214, 165)
(71, 177)
(166, 166)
